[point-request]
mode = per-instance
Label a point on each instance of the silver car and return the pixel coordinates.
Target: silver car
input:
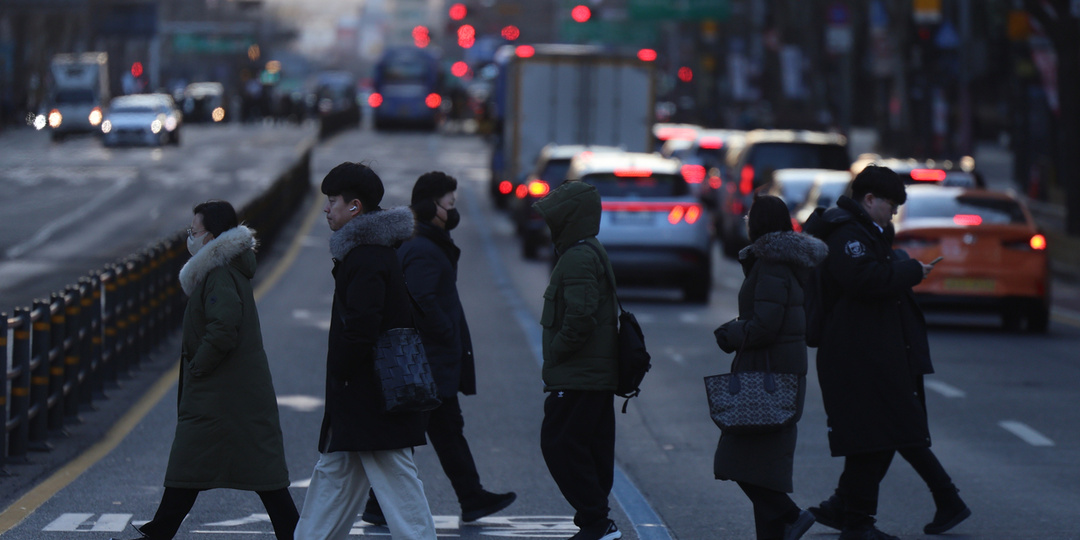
(144, 119)
(654, 228)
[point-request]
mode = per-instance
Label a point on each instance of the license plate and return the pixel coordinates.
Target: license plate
(632, 218)
(970, 285)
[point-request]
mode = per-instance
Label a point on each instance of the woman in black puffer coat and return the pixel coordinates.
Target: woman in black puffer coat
(771, 325)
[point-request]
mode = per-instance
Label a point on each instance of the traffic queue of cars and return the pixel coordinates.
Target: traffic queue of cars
(661, 212)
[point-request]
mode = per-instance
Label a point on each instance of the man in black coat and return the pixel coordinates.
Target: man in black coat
(430, 261)
(872, 357)
(361, 447)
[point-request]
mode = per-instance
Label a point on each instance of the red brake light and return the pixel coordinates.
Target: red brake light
(646, 55)
(433, 100)
(967, 220)
(689, 213)
(506, 187)
(693, 212)
(694, 174)
(524, 51)
(715, 182)
(521, 191)
(684, 134)
(538, 188)
(1038, 242)
(711, 143)
(633, 173)
(746, 184)
(375, 99)
(927, 175)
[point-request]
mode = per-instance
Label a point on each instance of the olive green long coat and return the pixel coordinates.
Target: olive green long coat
(227, 430)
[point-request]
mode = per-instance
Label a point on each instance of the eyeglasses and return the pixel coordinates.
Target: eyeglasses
(192, 233)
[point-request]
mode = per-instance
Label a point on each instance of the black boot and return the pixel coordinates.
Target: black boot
(485, 504)
(373, 512)
(951, 510)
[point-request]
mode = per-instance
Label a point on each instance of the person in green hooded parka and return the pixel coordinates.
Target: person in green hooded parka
(227, 430)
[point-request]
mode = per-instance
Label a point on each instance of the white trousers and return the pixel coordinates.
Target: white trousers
(339, 489)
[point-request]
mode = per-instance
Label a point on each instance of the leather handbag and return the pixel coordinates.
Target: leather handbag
(753, 401)
(401, 366)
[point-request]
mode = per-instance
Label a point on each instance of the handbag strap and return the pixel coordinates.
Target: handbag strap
(607, 269)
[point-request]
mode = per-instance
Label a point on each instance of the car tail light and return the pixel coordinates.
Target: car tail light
(538, 188)
(633, 173)
(737, 207)
(374, 100)
(433, 101)
(678, 133)
(676, 212)
(506, 187)
(967, 220)
(711, 143)
(795, 225)
(694, 174)
(95, 116)
(1035, 243)
(927, 175)
(715, 182)
(521, 191)
(746, 182)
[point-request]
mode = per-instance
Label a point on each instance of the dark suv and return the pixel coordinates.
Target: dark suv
(751, 167)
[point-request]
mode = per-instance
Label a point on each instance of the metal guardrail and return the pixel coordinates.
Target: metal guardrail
(59, 355)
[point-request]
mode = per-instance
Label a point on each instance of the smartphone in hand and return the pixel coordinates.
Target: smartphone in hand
(935, 261)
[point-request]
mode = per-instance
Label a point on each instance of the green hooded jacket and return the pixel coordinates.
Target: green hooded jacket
(579, 318)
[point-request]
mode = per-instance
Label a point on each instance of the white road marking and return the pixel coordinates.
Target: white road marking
(689, 318)
(675, 355)
(301, 483)
(253, 518)
(72, 522)
(81, 211)
(944, 389)
(301, 314)
(1025, 432)
(301, 403)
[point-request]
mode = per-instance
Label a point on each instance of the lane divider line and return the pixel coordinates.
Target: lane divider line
(946, 390)
(33, 499)
(1026, 433)
(646, 522)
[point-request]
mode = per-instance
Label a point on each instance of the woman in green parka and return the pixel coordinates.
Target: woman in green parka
(227, 430)
(770, 331)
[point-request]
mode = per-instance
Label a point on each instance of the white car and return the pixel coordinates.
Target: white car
(150, 119)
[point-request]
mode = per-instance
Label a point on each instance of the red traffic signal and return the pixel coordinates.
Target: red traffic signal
(458, 12)
(136, 70)
(581, 13)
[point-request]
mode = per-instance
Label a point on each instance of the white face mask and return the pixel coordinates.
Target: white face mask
(195, 244)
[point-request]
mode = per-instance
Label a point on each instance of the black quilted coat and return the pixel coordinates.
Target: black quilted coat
(772, 325)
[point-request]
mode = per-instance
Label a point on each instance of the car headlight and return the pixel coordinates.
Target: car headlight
(170, 123)
(95, 116)
(218, 114)
(55, 118)
(106, 126)
(156, 126)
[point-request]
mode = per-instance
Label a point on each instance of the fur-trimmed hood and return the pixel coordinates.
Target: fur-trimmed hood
(387, 227)
(219, 252)
(787, 247)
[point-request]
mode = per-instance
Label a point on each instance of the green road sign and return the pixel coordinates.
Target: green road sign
(653, 10)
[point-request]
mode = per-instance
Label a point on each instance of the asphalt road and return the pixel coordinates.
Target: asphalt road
(74, 206)
(1002, 405)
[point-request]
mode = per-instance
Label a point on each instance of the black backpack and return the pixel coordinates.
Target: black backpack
(634, 360)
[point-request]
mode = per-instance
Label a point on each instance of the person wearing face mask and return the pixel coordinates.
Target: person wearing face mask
(227, 431)
(429, 261)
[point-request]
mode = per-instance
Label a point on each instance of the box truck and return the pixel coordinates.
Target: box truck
(79, 93)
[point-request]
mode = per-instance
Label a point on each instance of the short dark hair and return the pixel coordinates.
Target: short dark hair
(354, 181)
(217, 216)
(880, 181)
(768, 214)
(432, 185)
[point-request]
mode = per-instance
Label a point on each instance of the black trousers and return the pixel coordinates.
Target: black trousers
(925, 463)
(859, 484)
(772, 510)
(577, 438)
(446, 431)
(177, 502)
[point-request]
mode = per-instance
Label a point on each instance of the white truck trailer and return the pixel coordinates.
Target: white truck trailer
(570, 94)
(79, 93)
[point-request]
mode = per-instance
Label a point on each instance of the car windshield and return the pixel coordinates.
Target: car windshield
(555, 171)
(75, 95)
(637, 184)
(798, 156)
(794, 191)
(130, 109)
(990, 210)
(829, 192)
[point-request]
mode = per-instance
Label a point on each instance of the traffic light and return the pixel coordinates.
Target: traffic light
(458, 12)
(137, 70)
(581, 13)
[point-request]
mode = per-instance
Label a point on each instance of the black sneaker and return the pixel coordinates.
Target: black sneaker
(868, 533)
(829, 512)
(797, 528)
(605, 530)
(485, 504)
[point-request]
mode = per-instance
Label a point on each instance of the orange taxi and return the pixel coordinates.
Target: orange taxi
(993, 255)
